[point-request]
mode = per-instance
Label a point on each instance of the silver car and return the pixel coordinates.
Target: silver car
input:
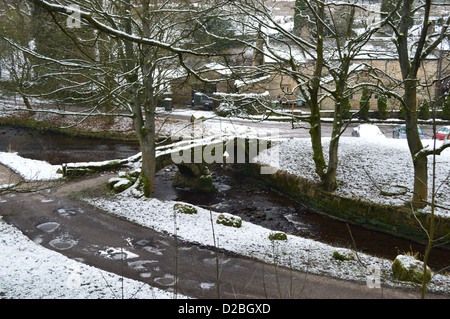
(400, 132)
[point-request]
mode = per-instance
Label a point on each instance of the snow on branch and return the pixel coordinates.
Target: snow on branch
(91, 20)
(427, 151)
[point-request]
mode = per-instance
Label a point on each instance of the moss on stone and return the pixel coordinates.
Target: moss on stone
(228, 220)
(123, 181)
(277, 236)
(120, 184)
(342, 256)
(184, 209)
(408, 268)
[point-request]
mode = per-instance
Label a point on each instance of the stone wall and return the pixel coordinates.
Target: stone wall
(395, 220)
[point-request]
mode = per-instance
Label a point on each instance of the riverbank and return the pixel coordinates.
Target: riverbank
(104, 128)
(368, 168)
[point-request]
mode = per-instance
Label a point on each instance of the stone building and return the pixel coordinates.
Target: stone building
(379, 54)
(188, 89)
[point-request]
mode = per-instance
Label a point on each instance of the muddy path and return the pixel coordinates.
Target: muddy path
(57, 220)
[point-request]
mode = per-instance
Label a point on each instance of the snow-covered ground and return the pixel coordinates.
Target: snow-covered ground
(252, 240)
(366, 166)
(29, 169)
(30, 271)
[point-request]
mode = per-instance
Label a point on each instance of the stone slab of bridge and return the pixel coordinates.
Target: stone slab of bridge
(193, 158)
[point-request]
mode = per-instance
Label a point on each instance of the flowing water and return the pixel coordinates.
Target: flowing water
(258, 203)
(59, 148)
(238, 194)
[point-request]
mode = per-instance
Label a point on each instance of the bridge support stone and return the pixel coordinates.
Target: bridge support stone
(194, 177)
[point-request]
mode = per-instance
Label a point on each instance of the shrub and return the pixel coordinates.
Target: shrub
(364, 104)
(346, 109)
(228, 220)
(424, 110)
(446, 108)
(277, 236)
(184, 209)
(382, 107)
(401, 112)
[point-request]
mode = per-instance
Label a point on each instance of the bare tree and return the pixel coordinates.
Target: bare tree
(16, 63)
(414, 47)
(319, 58)
(137, 47)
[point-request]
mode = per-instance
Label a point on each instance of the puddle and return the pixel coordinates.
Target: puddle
(153, 250)
(38, 240)
(117, 254)
(140, 264)
(69, 212)
(145, 274)
(48, 227)
(213, 261)
(142, 242)
(206, 285)
(62, 243)
(166, 280)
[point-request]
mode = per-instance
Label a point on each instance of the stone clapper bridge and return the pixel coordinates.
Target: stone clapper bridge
(194, 159)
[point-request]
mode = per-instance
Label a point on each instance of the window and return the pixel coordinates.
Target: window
(286, 88)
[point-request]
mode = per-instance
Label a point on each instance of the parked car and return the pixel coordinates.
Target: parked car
(443, 134)
(367, 131)
(202, 101)
(400, 132)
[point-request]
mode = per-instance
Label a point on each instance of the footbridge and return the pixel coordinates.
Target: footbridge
(194, 159)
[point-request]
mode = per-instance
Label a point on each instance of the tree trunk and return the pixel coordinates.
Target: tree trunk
(145, 129)
(147, 177)
(420, 192)
(147, 132)
(420, 183)
(329, 182)
(409, 68)
(28, 105)
(316, 140)
(316, 130)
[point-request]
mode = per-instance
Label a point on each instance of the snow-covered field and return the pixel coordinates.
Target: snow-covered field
(366, 166)
(30, 271)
